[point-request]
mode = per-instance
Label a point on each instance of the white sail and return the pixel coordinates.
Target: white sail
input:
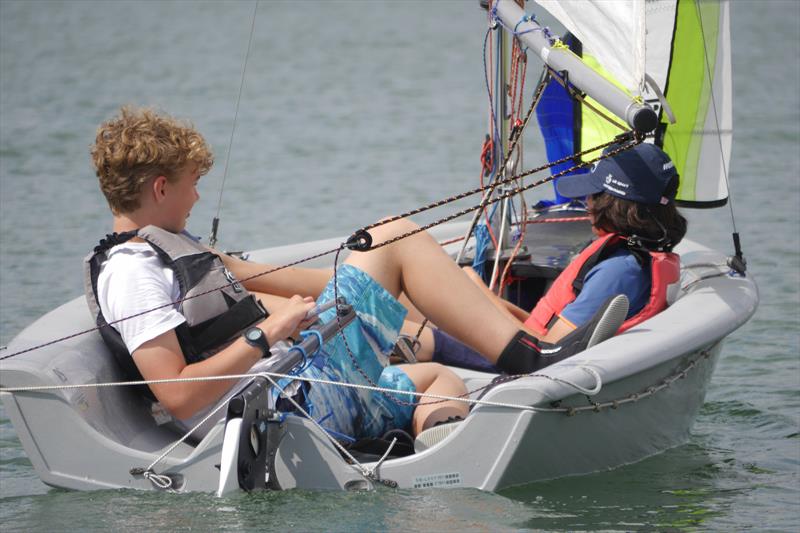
(613, 32)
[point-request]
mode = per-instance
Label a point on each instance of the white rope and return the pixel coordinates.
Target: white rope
(592, 391)
(598, 381)
(165, 482)
(161, 481)
(374, 469)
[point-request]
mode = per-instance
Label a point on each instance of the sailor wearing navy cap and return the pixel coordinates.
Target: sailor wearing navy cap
(630, 198)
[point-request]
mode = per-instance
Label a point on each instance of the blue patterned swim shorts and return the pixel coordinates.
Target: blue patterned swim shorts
(359, 413)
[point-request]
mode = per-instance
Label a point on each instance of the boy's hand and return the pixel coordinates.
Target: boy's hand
(288, 318)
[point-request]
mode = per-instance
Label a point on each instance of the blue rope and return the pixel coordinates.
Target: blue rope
(525, 18)
(340, 435)
(481, 246)
(316, 357)
(482, 240)
(303, 353)
(313, 333)
(307, 358)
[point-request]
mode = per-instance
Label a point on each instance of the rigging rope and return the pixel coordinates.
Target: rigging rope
(536, 97)
(367, 243)
(438, 398)
(494, 137)
(629, 140)
(516, 87)
(374, 388)
(363, 237)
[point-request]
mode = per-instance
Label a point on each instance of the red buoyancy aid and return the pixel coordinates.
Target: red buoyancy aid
(665, 270)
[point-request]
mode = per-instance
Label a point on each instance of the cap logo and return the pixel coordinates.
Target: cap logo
(615, 186)
(668, 165)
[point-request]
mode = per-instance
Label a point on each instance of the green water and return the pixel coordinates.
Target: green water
(352, 111)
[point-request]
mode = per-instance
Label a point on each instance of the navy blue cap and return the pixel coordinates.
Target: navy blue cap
(640, 174)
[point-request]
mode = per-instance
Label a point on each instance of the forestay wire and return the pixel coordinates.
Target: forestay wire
(212, 239)
(739, 264)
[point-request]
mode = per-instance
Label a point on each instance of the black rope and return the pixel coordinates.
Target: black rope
(170, 304)
(632, 140)
(489, 188)
(361, 240)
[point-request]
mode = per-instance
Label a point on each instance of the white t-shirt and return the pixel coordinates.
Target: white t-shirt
(134, 279)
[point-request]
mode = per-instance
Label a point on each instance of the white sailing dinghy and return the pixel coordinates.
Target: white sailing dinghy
(622, 400)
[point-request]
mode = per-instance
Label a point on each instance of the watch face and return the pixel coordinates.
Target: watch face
(254, 334)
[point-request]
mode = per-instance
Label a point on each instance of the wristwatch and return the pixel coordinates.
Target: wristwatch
(255, 337)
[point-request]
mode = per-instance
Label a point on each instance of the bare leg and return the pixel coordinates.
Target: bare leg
(436, 379)
(413, 313)
(419, 267)
(557, 331)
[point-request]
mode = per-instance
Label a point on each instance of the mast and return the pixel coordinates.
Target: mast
(501, 222)
(500, 128)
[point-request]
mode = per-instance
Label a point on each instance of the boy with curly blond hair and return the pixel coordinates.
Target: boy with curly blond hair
(140, 145)
(148, 287)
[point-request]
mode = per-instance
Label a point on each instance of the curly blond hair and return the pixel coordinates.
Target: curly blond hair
(140, 144)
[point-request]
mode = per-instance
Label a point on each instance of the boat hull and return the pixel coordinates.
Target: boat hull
(91, 438)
